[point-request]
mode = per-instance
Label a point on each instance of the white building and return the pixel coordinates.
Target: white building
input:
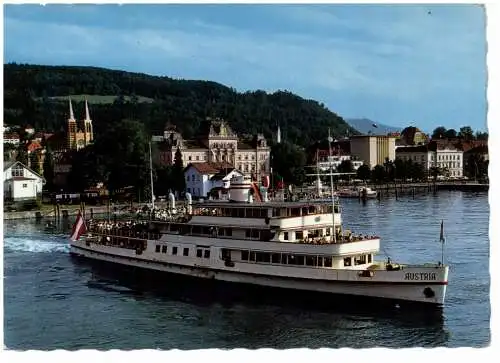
(445, 157)
(417, 154)
(201, 178)
(335, 161)
(449, 159)
(217, 143)
(20, 183)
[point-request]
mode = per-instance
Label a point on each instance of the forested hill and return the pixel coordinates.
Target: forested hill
(37, 95)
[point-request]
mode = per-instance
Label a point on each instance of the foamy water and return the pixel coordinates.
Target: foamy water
(33, 244)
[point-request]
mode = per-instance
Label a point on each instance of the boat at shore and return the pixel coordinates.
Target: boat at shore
(251, 240)
(360, 192)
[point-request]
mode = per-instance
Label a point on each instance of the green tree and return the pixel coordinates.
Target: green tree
(416, 171)
(345, 167)
(481, 136)
(379, 174)
(434, 172)
(163, 183)
(466, 133)
(48, 169)
(288, 161)
(178, 179)
(439, 132)
(29, 92)
(22, 154)
(35, 162)
(401, 171)
(450, 134)
(390, 170)
(8, 152)
(476, 167)
(363, 172)
(119, 158)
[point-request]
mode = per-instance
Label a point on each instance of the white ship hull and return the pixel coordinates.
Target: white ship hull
(405, 285)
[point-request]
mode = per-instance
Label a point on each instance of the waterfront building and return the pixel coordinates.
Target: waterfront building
(449, 159)
(445, 156)
(373, 149)
(326, 161)
(20, 183)
(202, 178)
(217, 143)
(422, 154)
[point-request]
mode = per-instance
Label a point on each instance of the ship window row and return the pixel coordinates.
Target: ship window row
(201, 230)
(286, 259)
(215, 231)
(129, 243)
(242, 212)
(200, 252)
(301, 260)
(358, 260)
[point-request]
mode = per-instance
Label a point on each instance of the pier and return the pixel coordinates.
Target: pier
(431, 187)
(407, 188)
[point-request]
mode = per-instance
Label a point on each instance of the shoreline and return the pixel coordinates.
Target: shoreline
(65, 211)
(384, 190)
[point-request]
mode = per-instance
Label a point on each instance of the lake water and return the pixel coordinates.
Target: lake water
(52, 301)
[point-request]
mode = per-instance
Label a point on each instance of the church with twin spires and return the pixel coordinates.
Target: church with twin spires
(78, 137)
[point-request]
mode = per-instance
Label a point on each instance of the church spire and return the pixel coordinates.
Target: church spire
(71, 114)
(87, 113)
(87, 125)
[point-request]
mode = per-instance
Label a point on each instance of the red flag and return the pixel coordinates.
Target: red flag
(79, 227)
(265, 181)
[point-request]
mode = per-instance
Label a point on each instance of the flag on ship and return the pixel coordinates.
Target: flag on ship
(279, 182)
(79, 227)
(441, 235)
(265, 181)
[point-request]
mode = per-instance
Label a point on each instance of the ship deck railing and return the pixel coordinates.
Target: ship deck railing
(382, 265)
(327, 240)
(126, 233)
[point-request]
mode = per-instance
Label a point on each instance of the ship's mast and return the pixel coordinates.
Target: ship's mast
(151, 177)
(330, 139)
(318, 177)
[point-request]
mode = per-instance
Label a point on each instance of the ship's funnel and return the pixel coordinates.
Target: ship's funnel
(239, 189)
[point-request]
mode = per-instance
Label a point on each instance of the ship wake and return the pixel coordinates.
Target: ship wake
(35, 245)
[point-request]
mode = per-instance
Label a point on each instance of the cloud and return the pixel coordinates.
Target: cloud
(386, 54)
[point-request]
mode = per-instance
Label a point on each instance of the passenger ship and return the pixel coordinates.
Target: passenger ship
(249, 239)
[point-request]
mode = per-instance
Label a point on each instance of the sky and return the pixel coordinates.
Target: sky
(399, 65)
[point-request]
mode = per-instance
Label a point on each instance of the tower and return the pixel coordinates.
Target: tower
(87, 126)
(72, 127)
